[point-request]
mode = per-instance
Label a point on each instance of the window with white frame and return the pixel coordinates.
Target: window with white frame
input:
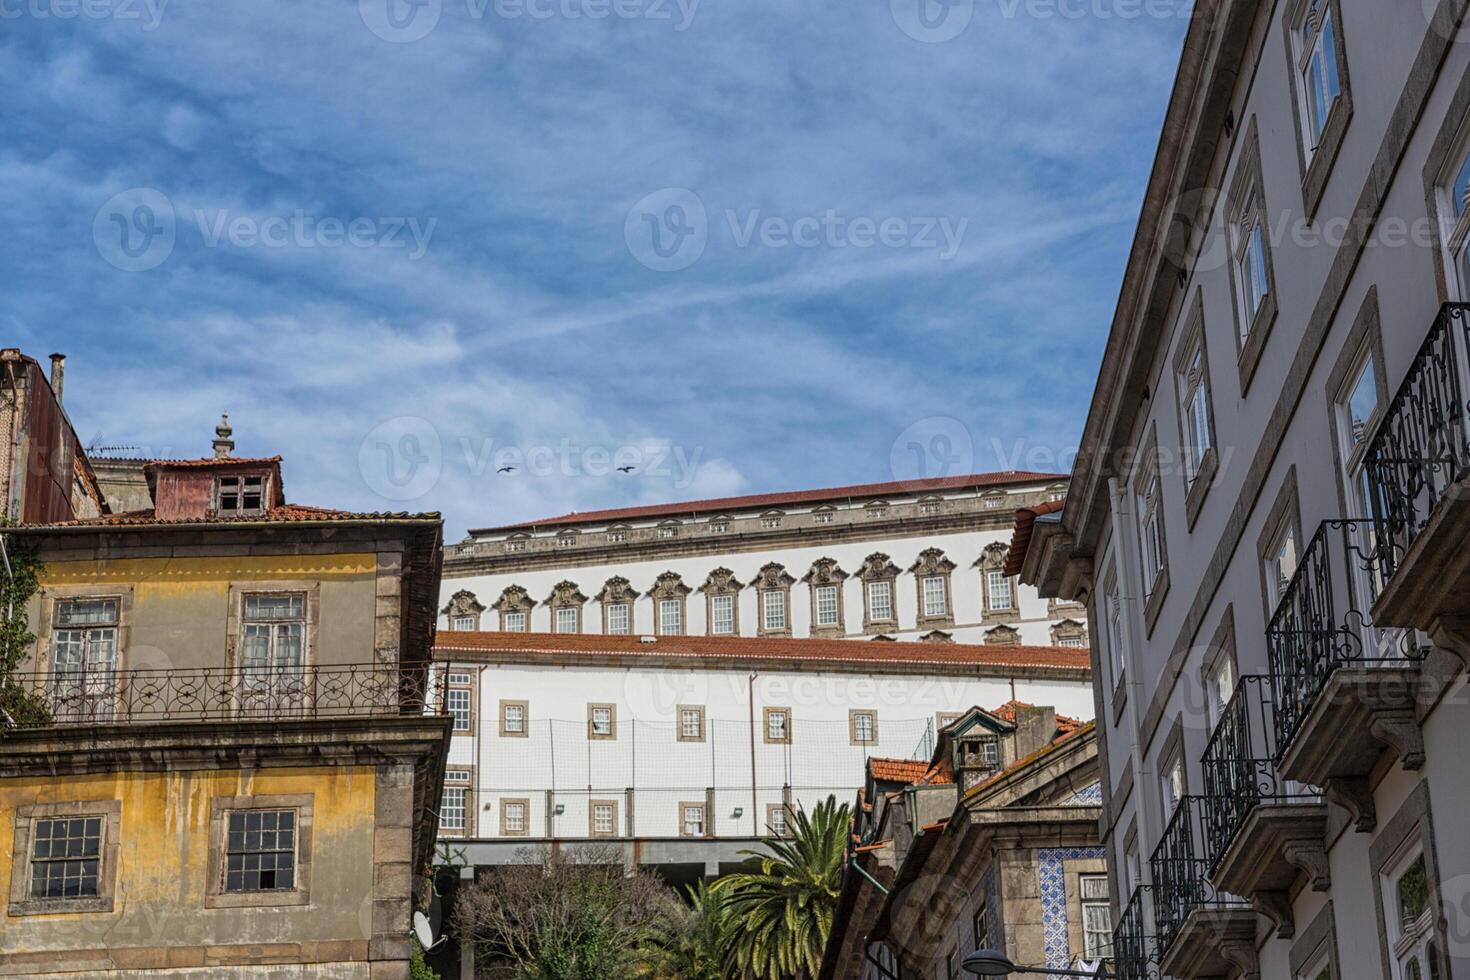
(1194, 400)
(1357, 410)
(722, 614)
(1072, 642)
(84, 647)
(1113, 614)
(1281, 563)
(776, 819)
(935, 600)
(1454, 209)
(1151, 532)
(1315, 44)
(272, 650)
(864, 726)
(1133, 867)
(456, 789)
(826, 596)
(604, 818)
(999, 595)
(1173, 785)
(1097, 917)
(566, 619)
(1221, 688)
(990, 752)
(671, 617)
(513, 622)
(880, 600)
(1252, 280)
(466, 623)
(980, 926)
(778, 725)
(691, 819)
(691, 723)
(1410, 915)
(773, 609)
(458, 701)
(617, 618)
(514, 818)
(513, 718)
(601, 721)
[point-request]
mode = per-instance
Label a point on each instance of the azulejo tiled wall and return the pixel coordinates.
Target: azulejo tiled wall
(1051, 868)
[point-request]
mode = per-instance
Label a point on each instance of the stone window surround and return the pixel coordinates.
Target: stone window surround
(471, 803)
(525, 707)
(722, 581)
(826, 572)
(1192, 339)
(592, 831)
(993, 559)
(1316, 171)
(1365, 339)
(1146, 469)
(463, 603)
(1450, 146)
(1316, 941)
(766, 725)
(1068, 629)
(514, 599)
(1173, 749)
(220, 807)
(612, 710)
(21, 902)
(1285, 514)
(852, 719)
(932, 563)
(505, 802)
(1412, 826)
(311, 589)
(1003, 636)
(707, 829)
(566, 595)
(617, 591)
(472, 688)
(679, 723)
(773, 577)
(771, 810)
(1247, 198)
(670, 585)
(51, 595)
(1221, 648)
(877, 567)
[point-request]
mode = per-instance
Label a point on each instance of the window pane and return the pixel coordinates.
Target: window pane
(722, 614)
(1413, 890)
(827, 605)
(617, 618)
(86, 612)
(1362, 403)
(566, 619)
(671, 618)
(934, 596)
(880, 600)
(260, 850)
(773, 604)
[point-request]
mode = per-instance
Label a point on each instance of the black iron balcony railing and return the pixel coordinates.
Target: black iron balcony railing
(1180, 869)
(1239, 765)
(1131, 953)
(1422, 446)
(1322, 621)
(114, 697)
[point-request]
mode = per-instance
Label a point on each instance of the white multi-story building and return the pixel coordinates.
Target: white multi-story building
(1268, 517)
(685, 749)
(913, 560)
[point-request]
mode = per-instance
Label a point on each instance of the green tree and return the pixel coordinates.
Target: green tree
(19, 581)
(781, 914)
(697, 941)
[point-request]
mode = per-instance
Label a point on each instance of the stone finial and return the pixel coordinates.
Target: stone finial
(223, 444)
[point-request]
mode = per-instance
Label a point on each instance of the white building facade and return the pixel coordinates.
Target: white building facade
(898, 561)
(1267, 518)
(695, 741)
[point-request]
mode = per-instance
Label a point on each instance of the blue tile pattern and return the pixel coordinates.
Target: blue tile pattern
(1054, 900)
(1091, 796)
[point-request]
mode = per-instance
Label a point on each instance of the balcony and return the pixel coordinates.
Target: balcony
(130, 697)
(1264, 831)
(1343, 691)
(1132, 954)
(1201, 932)
(1417, 464)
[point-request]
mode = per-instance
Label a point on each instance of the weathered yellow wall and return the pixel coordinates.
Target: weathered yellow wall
(163, 860)
(181, 605)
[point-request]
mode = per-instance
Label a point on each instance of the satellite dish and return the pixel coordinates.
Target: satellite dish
(424, 933)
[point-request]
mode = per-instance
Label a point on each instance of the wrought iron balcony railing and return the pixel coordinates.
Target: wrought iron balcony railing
(1180, 869)
(1239, 765)
(1422, 446)
(120, 697)
(1131, 941)
(1322, 621)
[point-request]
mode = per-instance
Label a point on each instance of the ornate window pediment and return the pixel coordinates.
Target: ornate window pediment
(617, 589)
(932, 562)
(669, 585)
(825, 571)
(993, 558)
(877, 566)
(1003, 636)
(773, 575)
(937, 636)
(463, 603)
(721, 580)
(514, 599)
(565, 593)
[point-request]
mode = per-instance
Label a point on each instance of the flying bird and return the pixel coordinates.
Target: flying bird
(626, 469)
(506, 469)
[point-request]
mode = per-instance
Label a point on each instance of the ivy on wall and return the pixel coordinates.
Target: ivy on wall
(19, 705)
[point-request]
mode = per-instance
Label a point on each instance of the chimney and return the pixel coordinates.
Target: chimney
(223, 444)
(58, 374)
(1035, 728)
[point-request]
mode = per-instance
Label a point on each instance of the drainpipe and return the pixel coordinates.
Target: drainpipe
(750, 700)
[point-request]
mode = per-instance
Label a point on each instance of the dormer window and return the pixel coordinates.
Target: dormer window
(239, 495)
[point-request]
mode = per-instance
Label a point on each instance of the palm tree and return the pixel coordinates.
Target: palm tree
(695, 944)
(781, 914)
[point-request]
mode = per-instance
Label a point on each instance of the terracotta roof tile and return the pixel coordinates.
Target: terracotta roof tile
(210, 461)
(285, 514)
(537, 645)
(1021, 533)
(898, 770)
(692, 507)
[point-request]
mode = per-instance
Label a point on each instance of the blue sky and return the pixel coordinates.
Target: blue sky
(739, 246)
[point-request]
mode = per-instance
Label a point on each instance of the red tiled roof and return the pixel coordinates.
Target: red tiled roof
(1007, 712)
(1021, 533)
(898, 770)
(751, 501)
(765, 648)
(210, 461)
(285, 514)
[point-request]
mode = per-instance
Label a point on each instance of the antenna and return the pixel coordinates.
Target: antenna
(424, 933)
